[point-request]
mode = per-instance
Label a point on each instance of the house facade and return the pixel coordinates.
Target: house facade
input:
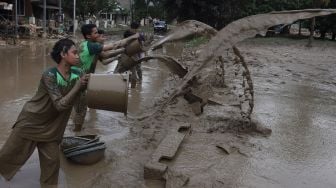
(120, 15)
(28, 8)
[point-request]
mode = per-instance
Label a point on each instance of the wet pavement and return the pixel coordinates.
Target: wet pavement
(299, 153)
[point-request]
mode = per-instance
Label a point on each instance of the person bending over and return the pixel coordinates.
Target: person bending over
(43, 119)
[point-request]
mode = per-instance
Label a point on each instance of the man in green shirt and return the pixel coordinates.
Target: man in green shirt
(90, 50)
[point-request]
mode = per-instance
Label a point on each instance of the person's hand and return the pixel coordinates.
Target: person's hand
(84, 80)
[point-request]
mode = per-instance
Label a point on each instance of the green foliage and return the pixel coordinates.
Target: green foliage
(219, 13)
(196, 41)
(152, 8)
(106, 5)
(89, 7)
(216, 13)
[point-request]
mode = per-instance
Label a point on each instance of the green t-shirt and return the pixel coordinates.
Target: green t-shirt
(87, 54)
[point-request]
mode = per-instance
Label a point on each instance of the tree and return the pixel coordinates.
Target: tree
(215, 13)
(315, 4)
(221, 12)
(90, 7)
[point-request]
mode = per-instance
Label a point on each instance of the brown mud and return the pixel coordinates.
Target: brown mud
(222, 41)
(293, 93)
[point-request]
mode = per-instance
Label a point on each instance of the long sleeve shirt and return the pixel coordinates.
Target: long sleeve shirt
(45, 116)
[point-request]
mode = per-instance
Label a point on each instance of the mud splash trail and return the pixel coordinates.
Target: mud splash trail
(229, 36)
(248, 27)
(171, 63)
(186, 29)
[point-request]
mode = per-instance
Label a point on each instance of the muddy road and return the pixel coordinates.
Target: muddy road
(294, 95)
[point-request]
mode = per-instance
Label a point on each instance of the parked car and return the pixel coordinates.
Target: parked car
(275, 30)
(160, 26)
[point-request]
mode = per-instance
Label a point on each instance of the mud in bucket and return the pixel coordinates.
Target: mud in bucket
(108, 92)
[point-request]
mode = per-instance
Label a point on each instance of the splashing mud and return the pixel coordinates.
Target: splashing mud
(172, 64)
(229, 36)
(186, 29)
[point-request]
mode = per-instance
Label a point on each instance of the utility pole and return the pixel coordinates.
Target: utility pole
(131, 10)
(74, 19)
(16, 17)
(45, 17)
(60, 11)
(147, 2)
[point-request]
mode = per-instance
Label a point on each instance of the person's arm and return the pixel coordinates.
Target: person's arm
(120, 43)
(95, 48)
(111, 53)
(62, 102)
(109, 60)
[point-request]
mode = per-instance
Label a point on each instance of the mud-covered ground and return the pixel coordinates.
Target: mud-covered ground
(294, 92)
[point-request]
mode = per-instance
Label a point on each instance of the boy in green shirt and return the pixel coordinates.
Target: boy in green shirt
(91, 49)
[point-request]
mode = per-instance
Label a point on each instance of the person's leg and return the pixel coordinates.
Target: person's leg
(14, 153)
(80, 111)
(139, 71)
(49, 162)
(133, 77)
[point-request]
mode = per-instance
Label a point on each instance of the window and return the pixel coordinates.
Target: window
(21, 7)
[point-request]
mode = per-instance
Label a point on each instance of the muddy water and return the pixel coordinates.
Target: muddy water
(296, 99)
(20, 73)
(301, 150)
(294, 95)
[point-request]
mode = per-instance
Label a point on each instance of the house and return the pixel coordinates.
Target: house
(124, 13)
(7, 10)
(52, 7)
(120, 15)
(28, 8)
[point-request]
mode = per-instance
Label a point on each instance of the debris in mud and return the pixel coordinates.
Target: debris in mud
(228, 149)
(167, 149)
(197, 108)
